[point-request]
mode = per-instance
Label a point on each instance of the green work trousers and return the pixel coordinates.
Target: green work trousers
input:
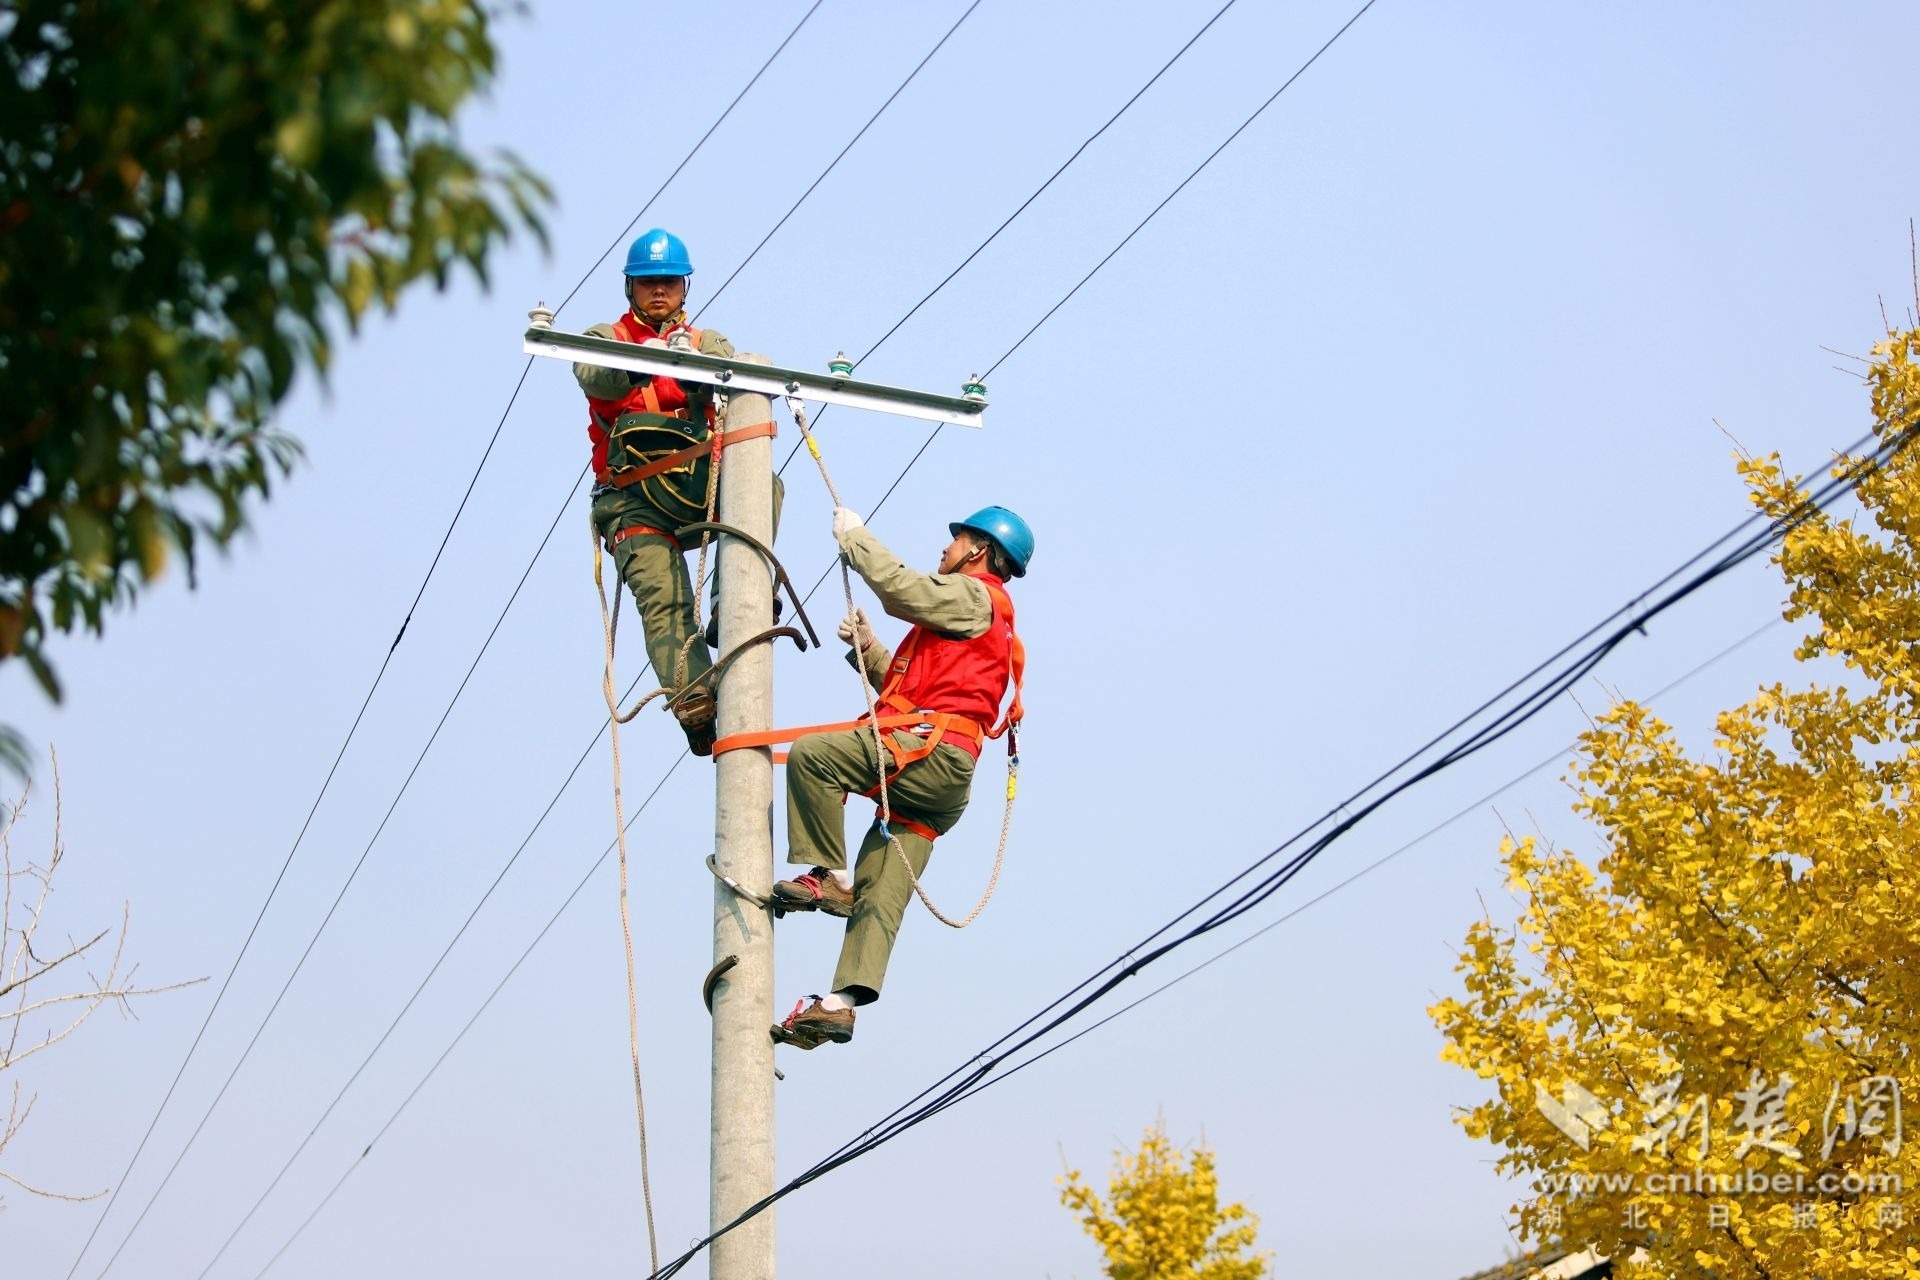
(655, 570)
(823, 769)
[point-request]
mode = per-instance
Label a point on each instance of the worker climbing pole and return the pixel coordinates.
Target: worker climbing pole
(681, 428)
(939, 698)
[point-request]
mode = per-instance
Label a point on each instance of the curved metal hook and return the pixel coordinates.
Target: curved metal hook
(780, 577)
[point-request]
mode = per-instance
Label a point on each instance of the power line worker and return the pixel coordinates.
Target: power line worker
(954, 667)
(641, 493)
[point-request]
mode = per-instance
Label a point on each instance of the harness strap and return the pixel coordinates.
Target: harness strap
(944, 723)
(920, 829)
(712, 444)
(639, 531)
(1016, 664)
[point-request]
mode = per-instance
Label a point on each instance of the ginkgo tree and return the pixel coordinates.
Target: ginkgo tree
(1702, 1045)
(1162, 1218)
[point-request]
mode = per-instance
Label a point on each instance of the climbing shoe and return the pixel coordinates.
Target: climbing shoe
(812, 1025)
(694, 710)
(817, 890)
(713, 623)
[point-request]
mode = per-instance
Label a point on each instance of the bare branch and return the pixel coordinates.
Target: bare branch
(23, 972)
(51, 1195)
(48, 966)
(118, 993)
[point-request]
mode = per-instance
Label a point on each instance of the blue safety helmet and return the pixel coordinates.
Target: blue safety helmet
(658, 253)
(1008, 530)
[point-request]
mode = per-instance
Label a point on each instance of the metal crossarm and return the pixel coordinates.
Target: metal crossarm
(742, 375)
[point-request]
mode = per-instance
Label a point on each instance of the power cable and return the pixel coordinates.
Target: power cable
(287, 862)
(1375, 865)
(974, 1075)
(341, 895)
(379, 676)
(1155, 212)
(834, 163)
(448, 950)
(684, 160)
(484, 1005)
(1008, 221)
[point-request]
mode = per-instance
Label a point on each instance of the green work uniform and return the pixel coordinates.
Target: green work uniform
(653, 566)
(823, 769)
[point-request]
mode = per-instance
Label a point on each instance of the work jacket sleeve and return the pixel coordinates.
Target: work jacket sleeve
(602, 384)
(953, 604)
(879, 658)
(714, 343)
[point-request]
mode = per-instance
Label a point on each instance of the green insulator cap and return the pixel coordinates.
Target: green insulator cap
(840, 365)
(973, 389)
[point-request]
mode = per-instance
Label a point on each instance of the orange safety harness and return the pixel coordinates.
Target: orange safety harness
(932, 727)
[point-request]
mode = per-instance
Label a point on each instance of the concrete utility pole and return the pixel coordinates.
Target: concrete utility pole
(743, 812)
(742, 1171)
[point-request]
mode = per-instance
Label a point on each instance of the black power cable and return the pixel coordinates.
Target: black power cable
(353, 729)
(1384, 859)
(978, 1072)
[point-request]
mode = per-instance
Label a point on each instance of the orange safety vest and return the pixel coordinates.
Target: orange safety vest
(938, 689)
(959, 683)
(654, 418)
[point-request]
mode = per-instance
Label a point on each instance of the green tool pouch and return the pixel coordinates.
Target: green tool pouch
(637, 439)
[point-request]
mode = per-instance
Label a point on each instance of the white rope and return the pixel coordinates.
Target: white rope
(609, 622)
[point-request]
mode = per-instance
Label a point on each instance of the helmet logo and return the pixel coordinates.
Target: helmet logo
(658, 249)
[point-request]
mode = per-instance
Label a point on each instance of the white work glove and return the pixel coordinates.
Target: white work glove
(856, 631)
(845, 522)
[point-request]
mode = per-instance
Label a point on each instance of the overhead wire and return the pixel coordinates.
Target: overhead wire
(1382, 861)
(1155, 211)
(975, 1074)
(379, 676)
(467, 1026)
(1028, 334)
(893, 329)
(1111, 253)
(1009, 220)
(834, 163)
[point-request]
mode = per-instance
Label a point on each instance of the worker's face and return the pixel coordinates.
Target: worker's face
(657, 297)
(963, 553)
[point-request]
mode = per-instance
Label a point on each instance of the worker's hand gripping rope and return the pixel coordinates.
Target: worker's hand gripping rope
(856, 632)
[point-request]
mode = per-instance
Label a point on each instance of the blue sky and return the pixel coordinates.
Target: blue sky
(1416, 382)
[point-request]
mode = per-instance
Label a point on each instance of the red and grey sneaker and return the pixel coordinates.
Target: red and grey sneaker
(817, 890)
(812, 1025)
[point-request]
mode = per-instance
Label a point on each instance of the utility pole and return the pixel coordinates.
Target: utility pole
(743, 1076)
(742, 1169)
